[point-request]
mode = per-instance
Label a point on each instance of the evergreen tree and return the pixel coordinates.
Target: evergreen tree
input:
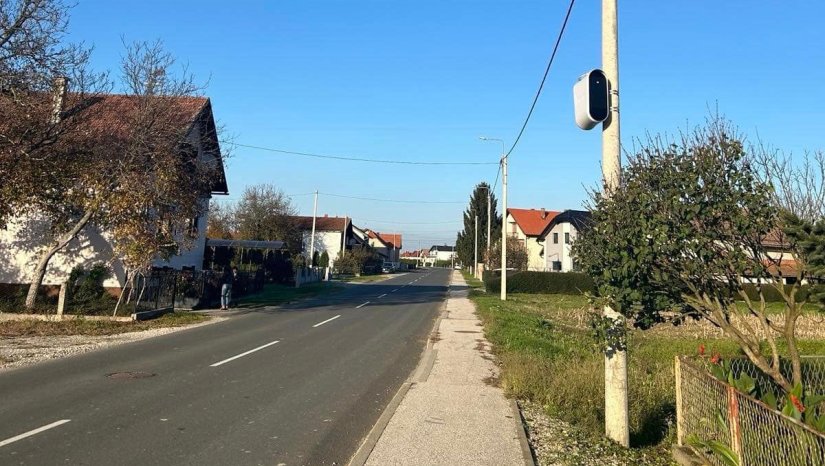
(465, 240)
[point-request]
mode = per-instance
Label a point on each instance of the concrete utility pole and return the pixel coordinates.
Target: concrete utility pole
(312, 238)
(475, 264)
(489, 224)
(615, 362)
(504, 216)
(504, 225)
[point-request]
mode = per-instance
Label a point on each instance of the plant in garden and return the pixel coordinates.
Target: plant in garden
(517, 255)
(684, 231)
(798, 403)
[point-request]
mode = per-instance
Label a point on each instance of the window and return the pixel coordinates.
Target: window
(567, 238)
(557, 266)
(192, 227)
(555, 238)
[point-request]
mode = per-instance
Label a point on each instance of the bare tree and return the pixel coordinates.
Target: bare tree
(221, 223)
(265, 213)
(32, 55)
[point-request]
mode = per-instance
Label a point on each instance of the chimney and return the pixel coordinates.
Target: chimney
(543, 213)
(58, 97)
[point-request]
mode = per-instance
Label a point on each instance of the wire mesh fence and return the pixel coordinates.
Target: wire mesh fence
(720, 417)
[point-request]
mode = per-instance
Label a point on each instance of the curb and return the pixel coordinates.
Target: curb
(526, 451)
(420, 374)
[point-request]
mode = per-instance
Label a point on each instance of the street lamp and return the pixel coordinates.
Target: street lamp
(504, 214)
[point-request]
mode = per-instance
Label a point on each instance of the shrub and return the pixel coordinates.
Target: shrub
(541, 282)
(88, 286)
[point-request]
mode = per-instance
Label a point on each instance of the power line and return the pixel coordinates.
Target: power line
(498, 172)
(354, 159)
(409, 223)
(544, 78)
(402, 201)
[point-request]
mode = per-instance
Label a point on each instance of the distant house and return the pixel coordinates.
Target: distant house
(24, 238)
(557, 237)
(332, 234)
(419, 256)
(527, 225)
(387, 245)
(440, 253)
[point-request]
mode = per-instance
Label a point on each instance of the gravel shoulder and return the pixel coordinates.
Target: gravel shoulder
(25, 351)
(557, 443)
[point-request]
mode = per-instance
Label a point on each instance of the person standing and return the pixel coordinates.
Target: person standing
(226, 287)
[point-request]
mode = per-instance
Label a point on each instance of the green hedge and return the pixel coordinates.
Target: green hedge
(541, 282)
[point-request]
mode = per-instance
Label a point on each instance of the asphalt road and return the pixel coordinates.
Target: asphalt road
(300, 384)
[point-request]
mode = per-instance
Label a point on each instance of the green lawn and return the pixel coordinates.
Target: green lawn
(549, 356)
(472, 281)
(273, 294)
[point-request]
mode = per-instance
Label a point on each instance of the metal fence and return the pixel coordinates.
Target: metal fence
(188, 289)
(711, 410)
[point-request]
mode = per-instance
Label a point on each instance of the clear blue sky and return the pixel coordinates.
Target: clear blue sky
(422, 80)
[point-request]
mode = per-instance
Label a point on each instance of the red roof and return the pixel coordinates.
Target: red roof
(532, 221)
(321, 223)
(392, 240)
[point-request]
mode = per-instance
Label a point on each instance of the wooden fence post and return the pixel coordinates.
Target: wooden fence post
(733, 420)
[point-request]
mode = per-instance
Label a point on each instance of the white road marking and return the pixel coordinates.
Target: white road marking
(359, 307)
(328, 320)
(33, 432)
(244, 354)
(385, 294)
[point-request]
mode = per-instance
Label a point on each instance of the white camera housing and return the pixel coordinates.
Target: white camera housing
(591, 99)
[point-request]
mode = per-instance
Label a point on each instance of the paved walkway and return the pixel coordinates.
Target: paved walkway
(452, 412)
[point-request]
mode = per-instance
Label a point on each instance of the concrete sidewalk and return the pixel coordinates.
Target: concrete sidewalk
(450, 412)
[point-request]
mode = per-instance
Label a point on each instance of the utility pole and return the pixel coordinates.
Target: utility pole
(615, 360)
(312, 238)
(489, 223)
(475, 264)
(504, 225)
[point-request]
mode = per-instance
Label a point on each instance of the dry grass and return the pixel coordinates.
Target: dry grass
(31, 328)
(549, 357)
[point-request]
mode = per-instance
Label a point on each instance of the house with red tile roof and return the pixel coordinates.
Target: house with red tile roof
(106, 117)
(526, 225)
(387, 245)
(332, 234)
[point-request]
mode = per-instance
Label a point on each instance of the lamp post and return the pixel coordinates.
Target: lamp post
(504, 214)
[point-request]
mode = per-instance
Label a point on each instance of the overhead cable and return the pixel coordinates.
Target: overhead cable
(543, 79)
(356, 159)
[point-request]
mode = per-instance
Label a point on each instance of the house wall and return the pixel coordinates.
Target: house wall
(559, 251)
(25, 238)
(534, 246)
(329, 241)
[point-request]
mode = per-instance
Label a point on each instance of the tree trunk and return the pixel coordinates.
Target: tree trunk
(42, 265)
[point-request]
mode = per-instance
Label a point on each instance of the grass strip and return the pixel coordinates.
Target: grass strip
(549, 357)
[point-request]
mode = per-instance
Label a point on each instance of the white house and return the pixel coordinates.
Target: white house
(23, 240)
(526, 225)
(558, 236)
(332, 234)
(440, 253)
